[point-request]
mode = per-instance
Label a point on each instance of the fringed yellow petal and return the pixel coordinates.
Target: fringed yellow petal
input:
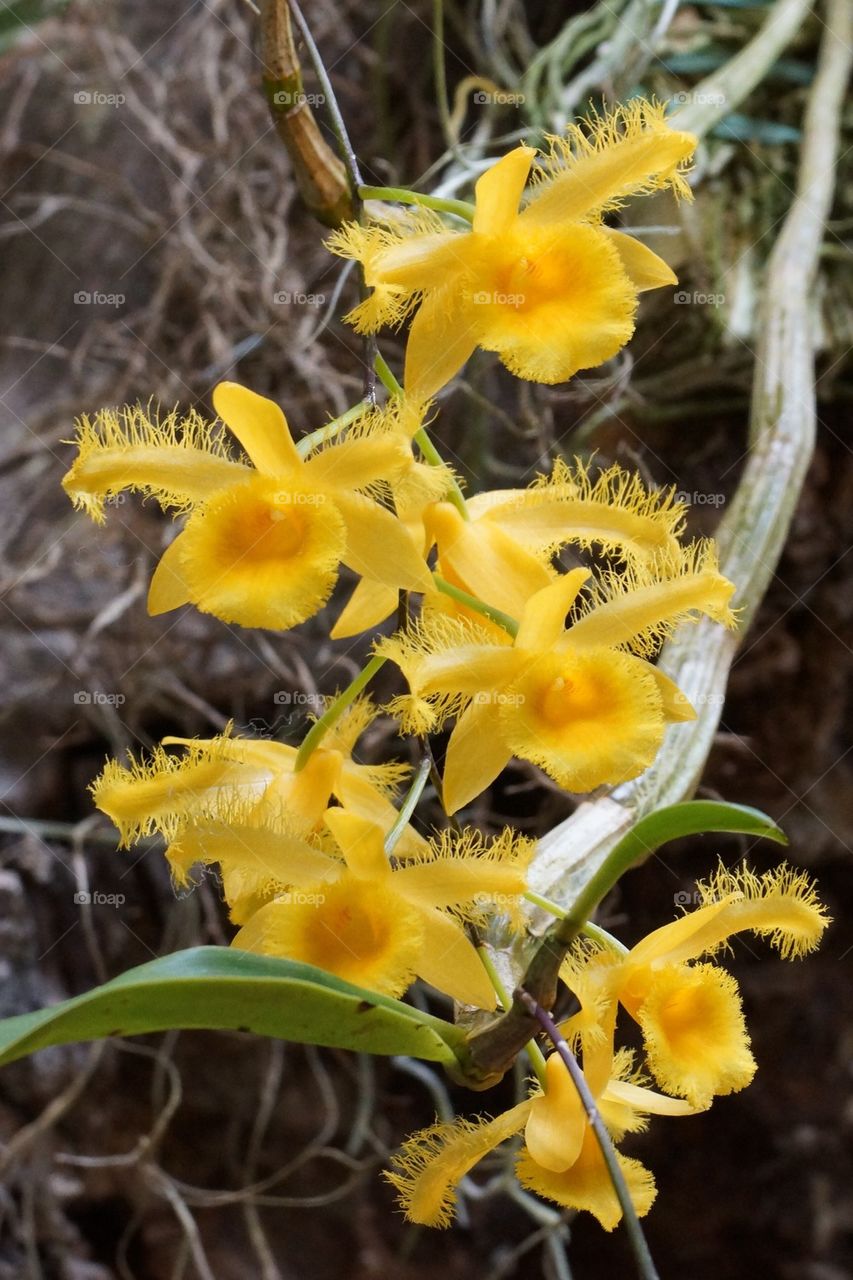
(450, 962)
(161, 793)
(555, 1129)
(177, 460)
(360, 930)
(695, 1036)
(627, 609)
(499, 191)
(586, 719)
(587, 1186)
(605, 159)
(256, 864)
(260, 426)
(427, 1170)
(463, 883)
(612, 512)
(782, 905)
(263, 553)
(477, 753)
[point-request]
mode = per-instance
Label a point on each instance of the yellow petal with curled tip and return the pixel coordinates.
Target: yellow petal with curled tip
(168, 588)
(452, 882)
(644, 268)
(476, 753)
(260, 426)
(544, 619)
(443, 334)
(358, 463)
(555, 1128)
(448, 961)
(380, 546)
(498, 191)
(361, 843)
(483, 560)
(370, 604)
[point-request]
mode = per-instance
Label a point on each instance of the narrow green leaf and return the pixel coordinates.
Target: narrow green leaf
(219, 988)
(688, 818)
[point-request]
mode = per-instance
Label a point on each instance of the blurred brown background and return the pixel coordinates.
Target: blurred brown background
(152, 244)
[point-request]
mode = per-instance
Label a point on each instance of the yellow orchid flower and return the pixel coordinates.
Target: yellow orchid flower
(547, 287)
(223, 777)
(368, 922)
(696, 1040)
(576, 702)
(561, 1159)
(502, 553)
(264, 538)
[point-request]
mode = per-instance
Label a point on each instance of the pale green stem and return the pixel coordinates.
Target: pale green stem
(403, 195)
(422, 440)
(332, 714)
(534, 1053)
(408, 806)
(509, 625)
(314, 438)
(590, 930)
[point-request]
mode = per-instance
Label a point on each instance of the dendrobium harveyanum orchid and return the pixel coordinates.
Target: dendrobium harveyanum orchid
(530, 617)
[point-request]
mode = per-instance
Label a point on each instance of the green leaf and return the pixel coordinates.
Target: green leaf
(689, 818)
(219, 988)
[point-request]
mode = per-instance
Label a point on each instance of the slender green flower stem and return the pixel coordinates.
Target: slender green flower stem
(589, 930)
(502, 619)
(333, 713)
(645, 1266)
(537, 1057)
(403, 195)
(422, 440)
(409, 805)
(305, 445)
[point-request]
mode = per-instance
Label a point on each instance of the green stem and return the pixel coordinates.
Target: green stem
(403, 195)
(332, 714)
(535, 1054)
(421, 438)
(645, 1265)
(407, 808)
(589, 930)
(472, 602)
(314, 438)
